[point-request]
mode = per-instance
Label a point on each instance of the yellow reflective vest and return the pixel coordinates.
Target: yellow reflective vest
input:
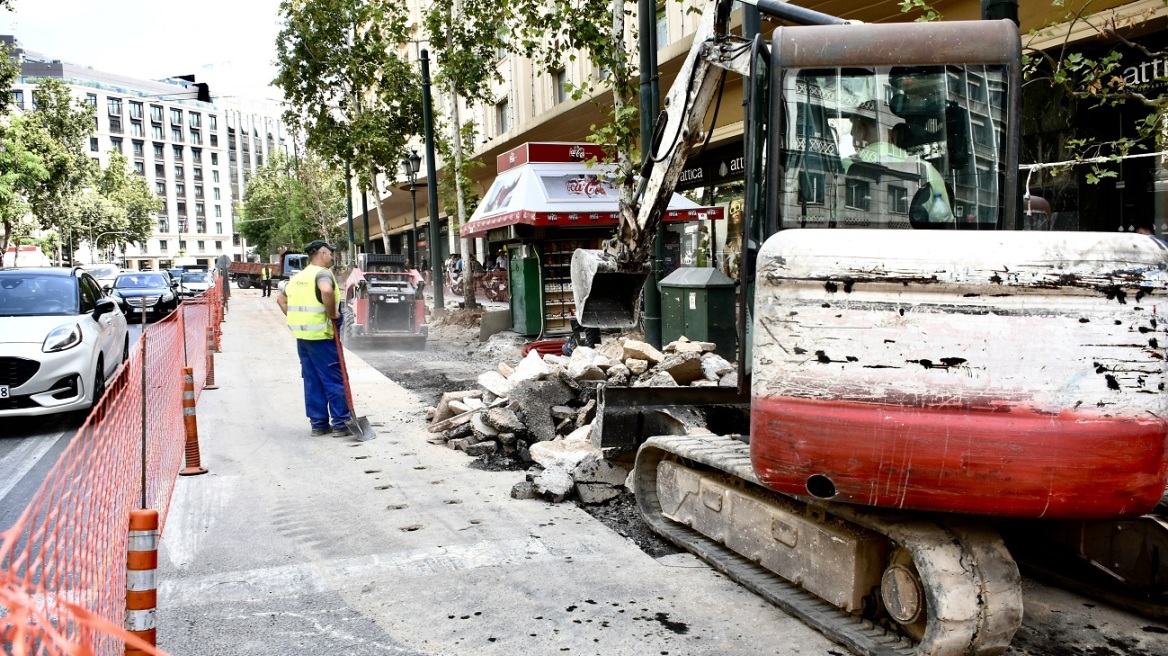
(307, 318)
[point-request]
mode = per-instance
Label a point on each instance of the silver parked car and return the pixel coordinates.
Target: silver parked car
(61, 339)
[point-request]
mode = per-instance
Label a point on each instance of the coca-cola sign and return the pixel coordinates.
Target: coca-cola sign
(589, 186)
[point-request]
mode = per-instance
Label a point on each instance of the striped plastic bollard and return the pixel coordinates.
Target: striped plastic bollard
(191, 424)
(141, 581)
(210, 382)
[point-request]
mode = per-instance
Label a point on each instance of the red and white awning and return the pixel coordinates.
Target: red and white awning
(563, 194)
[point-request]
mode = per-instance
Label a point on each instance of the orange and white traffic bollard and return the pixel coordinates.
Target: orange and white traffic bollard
(190, 423)
(141, 578)
(210, 382)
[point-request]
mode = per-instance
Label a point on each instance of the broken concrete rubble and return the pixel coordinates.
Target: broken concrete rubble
(543, 410)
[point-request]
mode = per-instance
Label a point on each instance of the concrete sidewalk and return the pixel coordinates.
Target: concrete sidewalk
(301, 545)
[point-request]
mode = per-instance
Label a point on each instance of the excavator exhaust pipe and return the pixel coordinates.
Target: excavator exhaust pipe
(607, 294)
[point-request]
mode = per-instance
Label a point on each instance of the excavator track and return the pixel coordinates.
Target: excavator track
(951, 585)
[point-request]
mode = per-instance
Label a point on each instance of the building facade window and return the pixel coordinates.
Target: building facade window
(215, 193)
(18, 98)
(198, 191)
(91, 99)
(196, 155)
(155, 113)
(176, 134)
(218, 228)
(116, 144)
(93, 147)
(212, 122)
(136, 110)
(136, 129)
(218, 211)
(140, 168)
(214, 141)
(197, 172)
(162, 245)
(139, 147)
(156, 132)
(179, 171)
(560, 81)
(115, 125)
(196, 138)
(178, 153)
(196, 120)
(215, 162)
(180, 189)
(160, 187)
(503, 117)
(214, 176)
(176, 116)
(160, 170)
(114, 106)
(158, 151)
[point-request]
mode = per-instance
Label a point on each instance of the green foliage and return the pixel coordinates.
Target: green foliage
(135, 203)
(928, 13)
(1096, 78)
(9, 71)
(290, 203)
(553, 30)
(62, 127)
(347, 88)
(22, 171)
(447, 192)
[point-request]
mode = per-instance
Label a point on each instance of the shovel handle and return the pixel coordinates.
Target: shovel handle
(344, 372)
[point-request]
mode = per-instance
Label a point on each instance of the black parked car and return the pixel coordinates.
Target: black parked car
(154, 290)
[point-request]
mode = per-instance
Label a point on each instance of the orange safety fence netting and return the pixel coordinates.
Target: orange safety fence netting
(63, 563)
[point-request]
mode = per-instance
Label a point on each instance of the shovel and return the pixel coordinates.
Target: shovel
(358, 426)
(607, 293)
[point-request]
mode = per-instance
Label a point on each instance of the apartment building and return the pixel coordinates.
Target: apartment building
(533, 105)
(195, 154)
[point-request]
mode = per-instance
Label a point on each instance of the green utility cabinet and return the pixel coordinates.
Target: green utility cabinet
(526, 300)
(699, 303)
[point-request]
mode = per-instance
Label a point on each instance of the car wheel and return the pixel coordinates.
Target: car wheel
(244, 283)
(99, 381)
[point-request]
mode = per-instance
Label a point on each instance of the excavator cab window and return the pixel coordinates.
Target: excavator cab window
(911, 147)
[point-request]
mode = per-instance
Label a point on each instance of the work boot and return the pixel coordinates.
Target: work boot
(317, 432)
(341, 431)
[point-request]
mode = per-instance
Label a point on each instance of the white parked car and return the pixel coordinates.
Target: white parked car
(194, 283)
(104, 274)
(61, 339)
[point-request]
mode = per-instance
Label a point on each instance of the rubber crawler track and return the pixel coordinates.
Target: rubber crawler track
(972, 585)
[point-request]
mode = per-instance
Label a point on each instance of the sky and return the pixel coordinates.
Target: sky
(228, 43)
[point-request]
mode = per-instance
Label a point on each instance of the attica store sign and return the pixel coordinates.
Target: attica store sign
(713, 167)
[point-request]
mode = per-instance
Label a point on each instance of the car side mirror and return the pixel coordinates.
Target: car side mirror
(103, 306)
(107, 289)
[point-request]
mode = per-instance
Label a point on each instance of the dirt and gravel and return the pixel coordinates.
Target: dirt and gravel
(1057, 623)
(452, 361)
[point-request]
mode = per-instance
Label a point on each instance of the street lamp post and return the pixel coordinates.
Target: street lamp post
(409, 168)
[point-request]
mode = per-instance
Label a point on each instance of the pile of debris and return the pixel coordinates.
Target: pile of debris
(543, 411)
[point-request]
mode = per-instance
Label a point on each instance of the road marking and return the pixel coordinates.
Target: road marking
(16, 465)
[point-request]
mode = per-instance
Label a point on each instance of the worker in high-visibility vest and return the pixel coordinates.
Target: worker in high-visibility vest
(310, 303)
(266, 280)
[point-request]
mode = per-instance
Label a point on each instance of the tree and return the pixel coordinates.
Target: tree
(355, 98)
(9, 70)
(65, 125)
(554, 31)
(22, 171)
(134, 202)
(466, 36)
(290, 203)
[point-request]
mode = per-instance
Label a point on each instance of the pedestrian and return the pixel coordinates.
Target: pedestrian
(501, 260)
(266, 280)
(309, 300)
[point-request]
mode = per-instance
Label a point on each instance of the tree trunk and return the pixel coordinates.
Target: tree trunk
(380, 213)
(468, 257)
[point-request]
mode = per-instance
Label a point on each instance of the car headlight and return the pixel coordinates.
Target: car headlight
(62, 338)
(167, 297)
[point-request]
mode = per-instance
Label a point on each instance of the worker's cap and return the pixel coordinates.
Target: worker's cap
(315, 246)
